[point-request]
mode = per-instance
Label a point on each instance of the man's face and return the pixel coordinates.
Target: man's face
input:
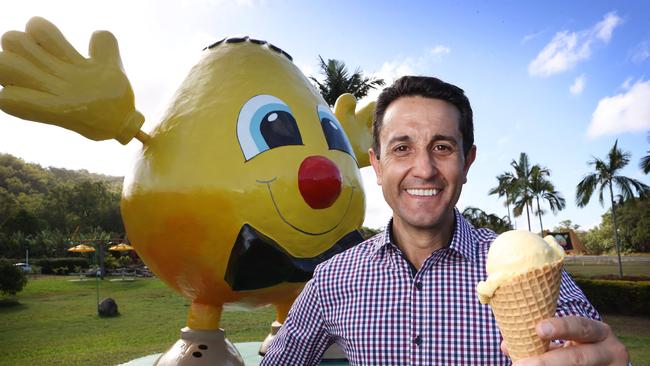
(422, 167)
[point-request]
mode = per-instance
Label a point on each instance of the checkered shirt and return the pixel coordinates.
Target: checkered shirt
(372, 302)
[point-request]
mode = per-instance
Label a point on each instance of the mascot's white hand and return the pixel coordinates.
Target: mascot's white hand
(46, 80)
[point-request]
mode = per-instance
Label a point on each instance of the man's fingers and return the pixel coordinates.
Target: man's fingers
(582, 355)
(575, 328)
(504, 348)
(48, 36)
(17, 71)
(104, 48)
(22, 44)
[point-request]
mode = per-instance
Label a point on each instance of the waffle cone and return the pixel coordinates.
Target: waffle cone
(520, 303)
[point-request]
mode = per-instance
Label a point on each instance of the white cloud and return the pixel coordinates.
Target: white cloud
(392, 70)
(625, 112)
(627, 83)
(605, 27)
(377, 210)
(530, 37)
(567, 49)
(578, 85)
(503, 140)
(641, 52)
(309, 70)
(439, 51)
(389, 72)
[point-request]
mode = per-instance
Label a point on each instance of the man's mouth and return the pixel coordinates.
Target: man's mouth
(423, 192)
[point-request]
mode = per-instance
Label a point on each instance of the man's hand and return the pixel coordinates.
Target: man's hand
(589, 343)
(46, 80)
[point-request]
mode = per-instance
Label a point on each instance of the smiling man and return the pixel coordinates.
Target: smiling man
(407, 296)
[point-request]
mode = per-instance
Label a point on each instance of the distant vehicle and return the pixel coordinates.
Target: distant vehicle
(24, 266)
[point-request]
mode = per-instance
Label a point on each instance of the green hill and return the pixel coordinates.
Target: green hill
(41, 207)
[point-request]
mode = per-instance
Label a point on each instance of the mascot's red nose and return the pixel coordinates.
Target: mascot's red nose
(319, 181)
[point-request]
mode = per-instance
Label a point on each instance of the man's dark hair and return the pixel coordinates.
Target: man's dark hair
(427, 87)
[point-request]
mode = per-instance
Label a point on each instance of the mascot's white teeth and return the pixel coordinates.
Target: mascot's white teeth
(423, 192)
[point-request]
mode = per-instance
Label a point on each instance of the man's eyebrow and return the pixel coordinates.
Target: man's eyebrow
(434, 138)
(399, 138)
(439, 137)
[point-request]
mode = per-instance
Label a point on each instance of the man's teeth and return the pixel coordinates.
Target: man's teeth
(423, 192)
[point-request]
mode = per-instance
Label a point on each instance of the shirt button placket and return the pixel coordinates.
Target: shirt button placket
(417, 335)
(417, 340)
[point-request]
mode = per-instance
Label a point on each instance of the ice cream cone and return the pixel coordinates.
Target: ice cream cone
(520, 303)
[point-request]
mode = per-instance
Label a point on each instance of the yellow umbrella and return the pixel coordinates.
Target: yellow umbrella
(122, 247)
(81, 248)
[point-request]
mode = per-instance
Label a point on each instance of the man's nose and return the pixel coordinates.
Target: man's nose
(424, 165)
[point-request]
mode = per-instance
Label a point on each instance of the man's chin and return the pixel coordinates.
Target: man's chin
(430, 221)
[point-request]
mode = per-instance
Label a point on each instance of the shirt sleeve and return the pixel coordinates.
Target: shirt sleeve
(572, 301)
(302, 340)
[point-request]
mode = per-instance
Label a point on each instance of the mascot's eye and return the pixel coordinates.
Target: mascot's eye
(334, 134)
(266, 122)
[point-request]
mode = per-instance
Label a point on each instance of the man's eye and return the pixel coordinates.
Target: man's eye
(443, 148)
(401, 148)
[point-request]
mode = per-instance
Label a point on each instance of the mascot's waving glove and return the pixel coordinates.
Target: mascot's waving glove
(46, 80)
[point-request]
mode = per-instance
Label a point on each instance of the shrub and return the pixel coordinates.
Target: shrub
(48, 265)
(124, 261)
(12, 278)
(618, 297)
(110, 262)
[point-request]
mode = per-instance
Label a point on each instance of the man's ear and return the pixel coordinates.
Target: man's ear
(469, 159)
(374, 161)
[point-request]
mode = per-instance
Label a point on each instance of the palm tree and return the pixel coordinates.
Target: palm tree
(338, 81)
(541, 187)
(480, 219)
(645, 161)
(506, 188)
(523, 195)
(606, 175)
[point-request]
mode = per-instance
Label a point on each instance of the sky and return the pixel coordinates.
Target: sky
(561, 81)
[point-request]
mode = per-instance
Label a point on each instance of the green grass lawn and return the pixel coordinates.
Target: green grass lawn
(56, 323)
(591, 270)
(635, 334)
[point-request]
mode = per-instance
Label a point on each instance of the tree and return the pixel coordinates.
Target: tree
(541, 187)
(12, 278)
(530, 184)
(645, 161)
(368, 232)
(566, 225)
(480, 219)
(506, 187)
(634, 224)
(606, 175)
(338, 81)
(523, 196)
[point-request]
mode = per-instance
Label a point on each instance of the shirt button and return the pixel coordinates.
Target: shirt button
(417, 340)
(418, 285)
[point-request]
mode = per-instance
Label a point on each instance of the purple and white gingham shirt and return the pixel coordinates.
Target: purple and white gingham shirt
(370, 300)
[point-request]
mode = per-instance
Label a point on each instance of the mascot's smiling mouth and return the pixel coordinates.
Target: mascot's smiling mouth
(277, 209)
(256, 261)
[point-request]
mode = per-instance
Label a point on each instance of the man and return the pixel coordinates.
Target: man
(407, 296)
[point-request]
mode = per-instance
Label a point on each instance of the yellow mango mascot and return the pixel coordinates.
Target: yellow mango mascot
(247, 183)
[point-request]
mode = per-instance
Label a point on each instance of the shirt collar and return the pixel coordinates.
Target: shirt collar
(462, 240)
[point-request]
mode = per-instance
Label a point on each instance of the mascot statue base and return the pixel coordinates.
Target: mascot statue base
(201, 347)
